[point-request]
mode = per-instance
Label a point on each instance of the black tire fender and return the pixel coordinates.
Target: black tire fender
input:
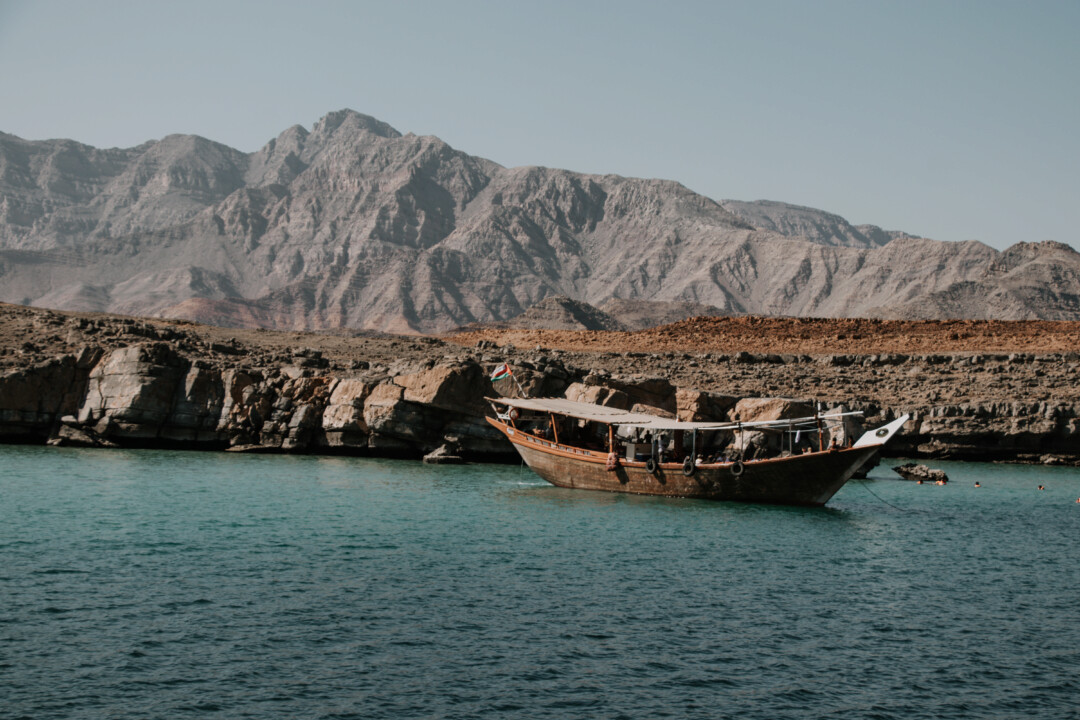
(688, 466)
(651, 466)
(737, 468)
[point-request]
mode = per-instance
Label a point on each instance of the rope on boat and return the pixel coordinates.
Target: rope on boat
(863, 483)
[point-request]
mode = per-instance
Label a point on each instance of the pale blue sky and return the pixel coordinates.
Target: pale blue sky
(951, 119)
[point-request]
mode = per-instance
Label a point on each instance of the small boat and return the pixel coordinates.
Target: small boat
(592, 447)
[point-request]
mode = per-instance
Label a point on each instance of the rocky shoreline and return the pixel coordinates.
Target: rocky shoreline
(80, 379)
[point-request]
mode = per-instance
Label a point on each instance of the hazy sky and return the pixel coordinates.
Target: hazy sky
(950, 119)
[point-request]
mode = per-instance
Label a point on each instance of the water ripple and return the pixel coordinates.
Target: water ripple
(214, 586)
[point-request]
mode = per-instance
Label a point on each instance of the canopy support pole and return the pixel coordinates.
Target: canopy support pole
(817, 418)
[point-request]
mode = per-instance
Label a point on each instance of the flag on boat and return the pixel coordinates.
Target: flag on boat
(501, 372)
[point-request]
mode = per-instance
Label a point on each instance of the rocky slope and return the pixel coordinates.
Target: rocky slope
(101, 380)
(809, 224)
(562, 313)
(642, 314)
(353, 225)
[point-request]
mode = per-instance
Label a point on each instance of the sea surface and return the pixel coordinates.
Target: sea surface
(151, 584)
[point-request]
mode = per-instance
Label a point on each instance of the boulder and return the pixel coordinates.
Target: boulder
(598, 395)
(456, 388)
(74, 436)
(443, 455)
(234, 384)
(292, 418)
(197, 407)
(847, 430)
(695, 405)
(301, 426)
(343, 423)
(758, 409)
(651, 410)
(913, 471)
(32, 398)
(759, 444)
(476, 439)
(388, 414)
(653, 392)
(753, 445)
(134, 388)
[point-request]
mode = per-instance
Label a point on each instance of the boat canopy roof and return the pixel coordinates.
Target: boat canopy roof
(624, 418)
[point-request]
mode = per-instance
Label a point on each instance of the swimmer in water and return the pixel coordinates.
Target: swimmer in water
(978, 485)
(919, 482)
(1041, 487)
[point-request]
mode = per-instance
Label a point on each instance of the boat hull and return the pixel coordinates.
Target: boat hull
(810, 479)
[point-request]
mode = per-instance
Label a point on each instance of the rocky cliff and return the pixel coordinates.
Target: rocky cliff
(353, 225)
(92, 380)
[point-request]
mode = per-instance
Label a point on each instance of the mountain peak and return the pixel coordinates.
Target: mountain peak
(1027, 252)
(352, 120)
(1044, 247)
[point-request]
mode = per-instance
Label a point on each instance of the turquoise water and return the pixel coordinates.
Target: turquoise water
(145, 584)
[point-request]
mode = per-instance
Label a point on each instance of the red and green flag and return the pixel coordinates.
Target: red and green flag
(501, 372)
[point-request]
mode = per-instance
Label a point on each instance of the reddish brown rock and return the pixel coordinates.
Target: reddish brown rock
(343, 421)
(598, 395)
(695, 405)
(457, 388)
(757, 409)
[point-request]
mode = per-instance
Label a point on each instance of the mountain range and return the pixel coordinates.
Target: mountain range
(353, 225)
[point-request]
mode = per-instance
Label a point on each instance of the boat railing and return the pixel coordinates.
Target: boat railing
(519, 435)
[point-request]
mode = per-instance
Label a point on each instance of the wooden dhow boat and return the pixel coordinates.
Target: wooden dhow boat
(591, 447)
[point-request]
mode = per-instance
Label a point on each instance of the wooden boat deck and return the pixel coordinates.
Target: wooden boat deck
(810, 479)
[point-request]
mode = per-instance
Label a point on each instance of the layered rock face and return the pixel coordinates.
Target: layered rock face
(149, 394)
(353, 225)
(92, 379)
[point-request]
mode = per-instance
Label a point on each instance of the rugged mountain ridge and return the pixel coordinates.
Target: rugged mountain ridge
(353, 224)
(814, 225)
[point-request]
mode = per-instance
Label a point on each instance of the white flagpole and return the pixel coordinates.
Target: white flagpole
(521, 389)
